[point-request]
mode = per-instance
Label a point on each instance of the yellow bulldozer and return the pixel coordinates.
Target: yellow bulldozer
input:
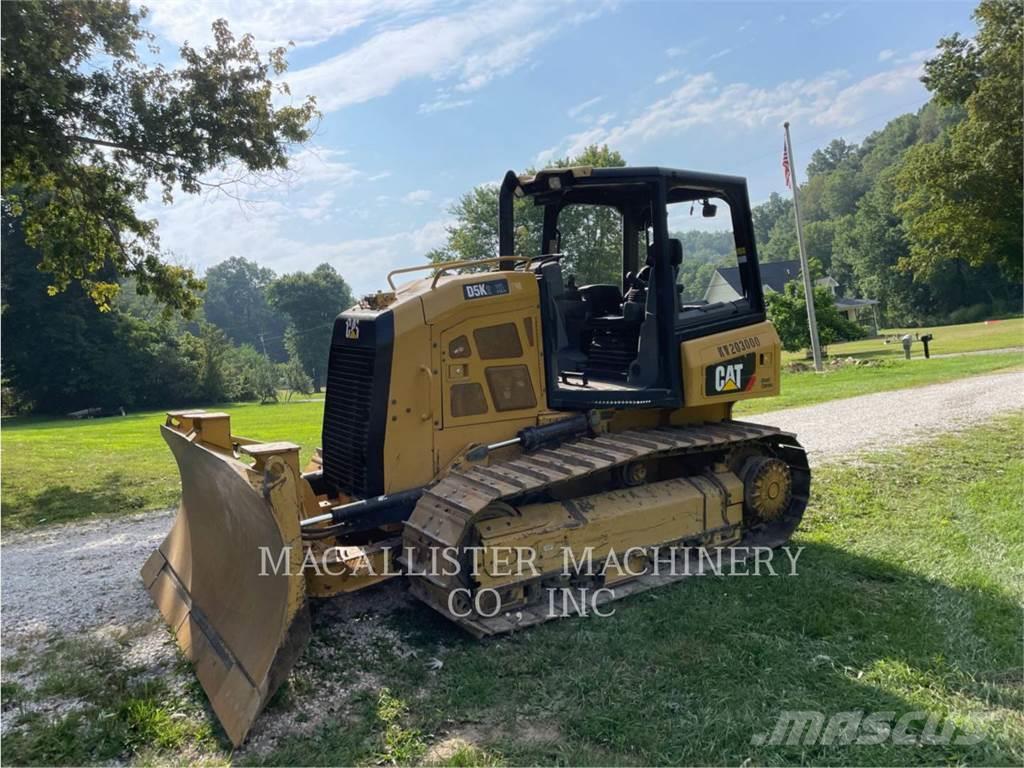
(495, 432)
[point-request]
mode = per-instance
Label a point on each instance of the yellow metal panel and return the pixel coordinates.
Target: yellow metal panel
(644, 516)
(742, 364)
(412, 410)
(447, 302)
(473, 369)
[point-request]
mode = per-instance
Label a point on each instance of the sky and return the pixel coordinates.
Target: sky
(424, 100)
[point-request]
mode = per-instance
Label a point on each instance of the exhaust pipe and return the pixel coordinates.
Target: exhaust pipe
(506, 220)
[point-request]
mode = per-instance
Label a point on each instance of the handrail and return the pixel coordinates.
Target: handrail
(440, 267)
(445, 266)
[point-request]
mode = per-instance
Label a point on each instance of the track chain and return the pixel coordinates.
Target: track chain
(446, 513)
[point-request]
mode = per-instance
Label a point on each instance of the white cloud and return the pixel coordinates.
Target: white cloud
(664, 77)
(700, 100)
(580, 141)
(828, 17)
(418, 196)
(320, 164)
(480, 68)
(780, 18)
(720, 54)
(682, 50)
(468, 48)
(744, 25)
(282, 234)
(379, 176)
(442, 102)
(915, 56)
(275, 22)
(853, 103)
(885, 55)
(582, 107)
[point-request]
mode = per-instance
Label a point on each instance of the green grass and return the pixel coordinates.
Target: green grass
(55, 470)
(111, 708)
(808, 387)
(907, 598)
(949, 339)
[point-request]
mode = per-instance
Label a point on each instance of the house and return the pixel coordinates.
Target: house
(725, 286)
(846, 304)
(725, 283)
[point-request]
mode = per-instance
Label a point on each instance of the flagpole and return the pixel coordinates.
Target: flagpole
(812, 320)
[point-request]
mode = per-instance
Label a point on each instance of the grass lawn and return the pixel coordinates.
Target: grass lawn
(906, 599)
(808, 387)
(56, 470)
(949, 339)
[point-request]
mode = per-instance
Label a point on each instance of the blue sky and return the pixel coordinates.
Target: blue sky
(424, 100)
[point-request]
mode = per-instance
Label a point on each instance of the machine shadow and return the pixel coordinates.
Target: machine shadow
(700, 667)
(64, 503)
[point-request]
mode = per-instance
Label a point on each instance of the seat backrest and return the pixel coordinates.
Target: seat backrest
(601, 299)
(675, 251)
(551, 274)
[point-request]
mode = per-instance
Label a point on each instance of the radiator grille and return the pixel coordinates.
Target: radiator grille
(347, 418)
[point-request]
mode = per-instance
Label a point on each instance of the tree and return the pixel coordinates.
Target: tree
(767, 213)
(311, 300)
(236, 302)
(88, 125)
(961, 195)
(60, 353)
(867, 248)
(295, 378)
(251, 375)
(788, 313)
(591, 235)
(831, 157)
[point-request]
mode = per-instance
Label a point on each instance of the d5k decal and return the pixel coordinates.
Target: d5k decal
(729, 376)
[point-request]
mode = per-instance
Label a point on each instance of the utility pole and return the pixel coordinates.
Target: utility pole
(812, 321)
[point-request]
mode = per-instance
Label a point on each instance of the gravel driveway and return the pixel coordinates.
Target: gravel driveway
(73, 577)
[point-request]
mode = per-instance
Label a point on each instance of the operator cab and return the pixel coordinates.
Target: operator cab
(611, 265)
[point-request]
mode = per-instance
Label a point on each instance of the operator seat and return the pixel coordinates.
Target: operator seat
(643, 371)
(569, 356)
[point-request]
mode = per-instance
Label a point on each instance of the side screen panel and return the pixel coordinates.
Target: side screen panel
(732, 365)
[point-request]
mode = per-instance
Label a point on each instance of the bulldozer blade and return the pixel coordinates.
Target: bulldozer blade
(239, 620)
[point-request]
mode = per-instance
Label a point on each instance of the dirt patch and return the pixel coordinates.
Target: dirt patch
(479, 735)
(349, 638)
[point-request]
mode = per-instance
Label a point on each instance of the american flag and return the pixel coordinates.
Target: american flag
(785, 165)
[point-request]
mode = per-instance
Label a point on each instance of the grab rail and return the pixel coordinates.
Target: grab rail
(441, 268)
(445, 266)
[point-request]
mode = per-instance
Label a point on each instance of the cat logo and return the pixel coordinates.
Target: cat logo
(351, 328)
(727, 377)
(735, 375)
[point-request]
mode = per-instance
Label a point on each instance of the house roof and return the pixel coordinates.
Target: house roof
(842, 303)
(774, 274)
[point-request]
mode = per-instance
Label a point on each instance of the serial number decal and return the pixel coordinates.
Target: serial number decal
(485, 289)
(730, 376)
(741, 345)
